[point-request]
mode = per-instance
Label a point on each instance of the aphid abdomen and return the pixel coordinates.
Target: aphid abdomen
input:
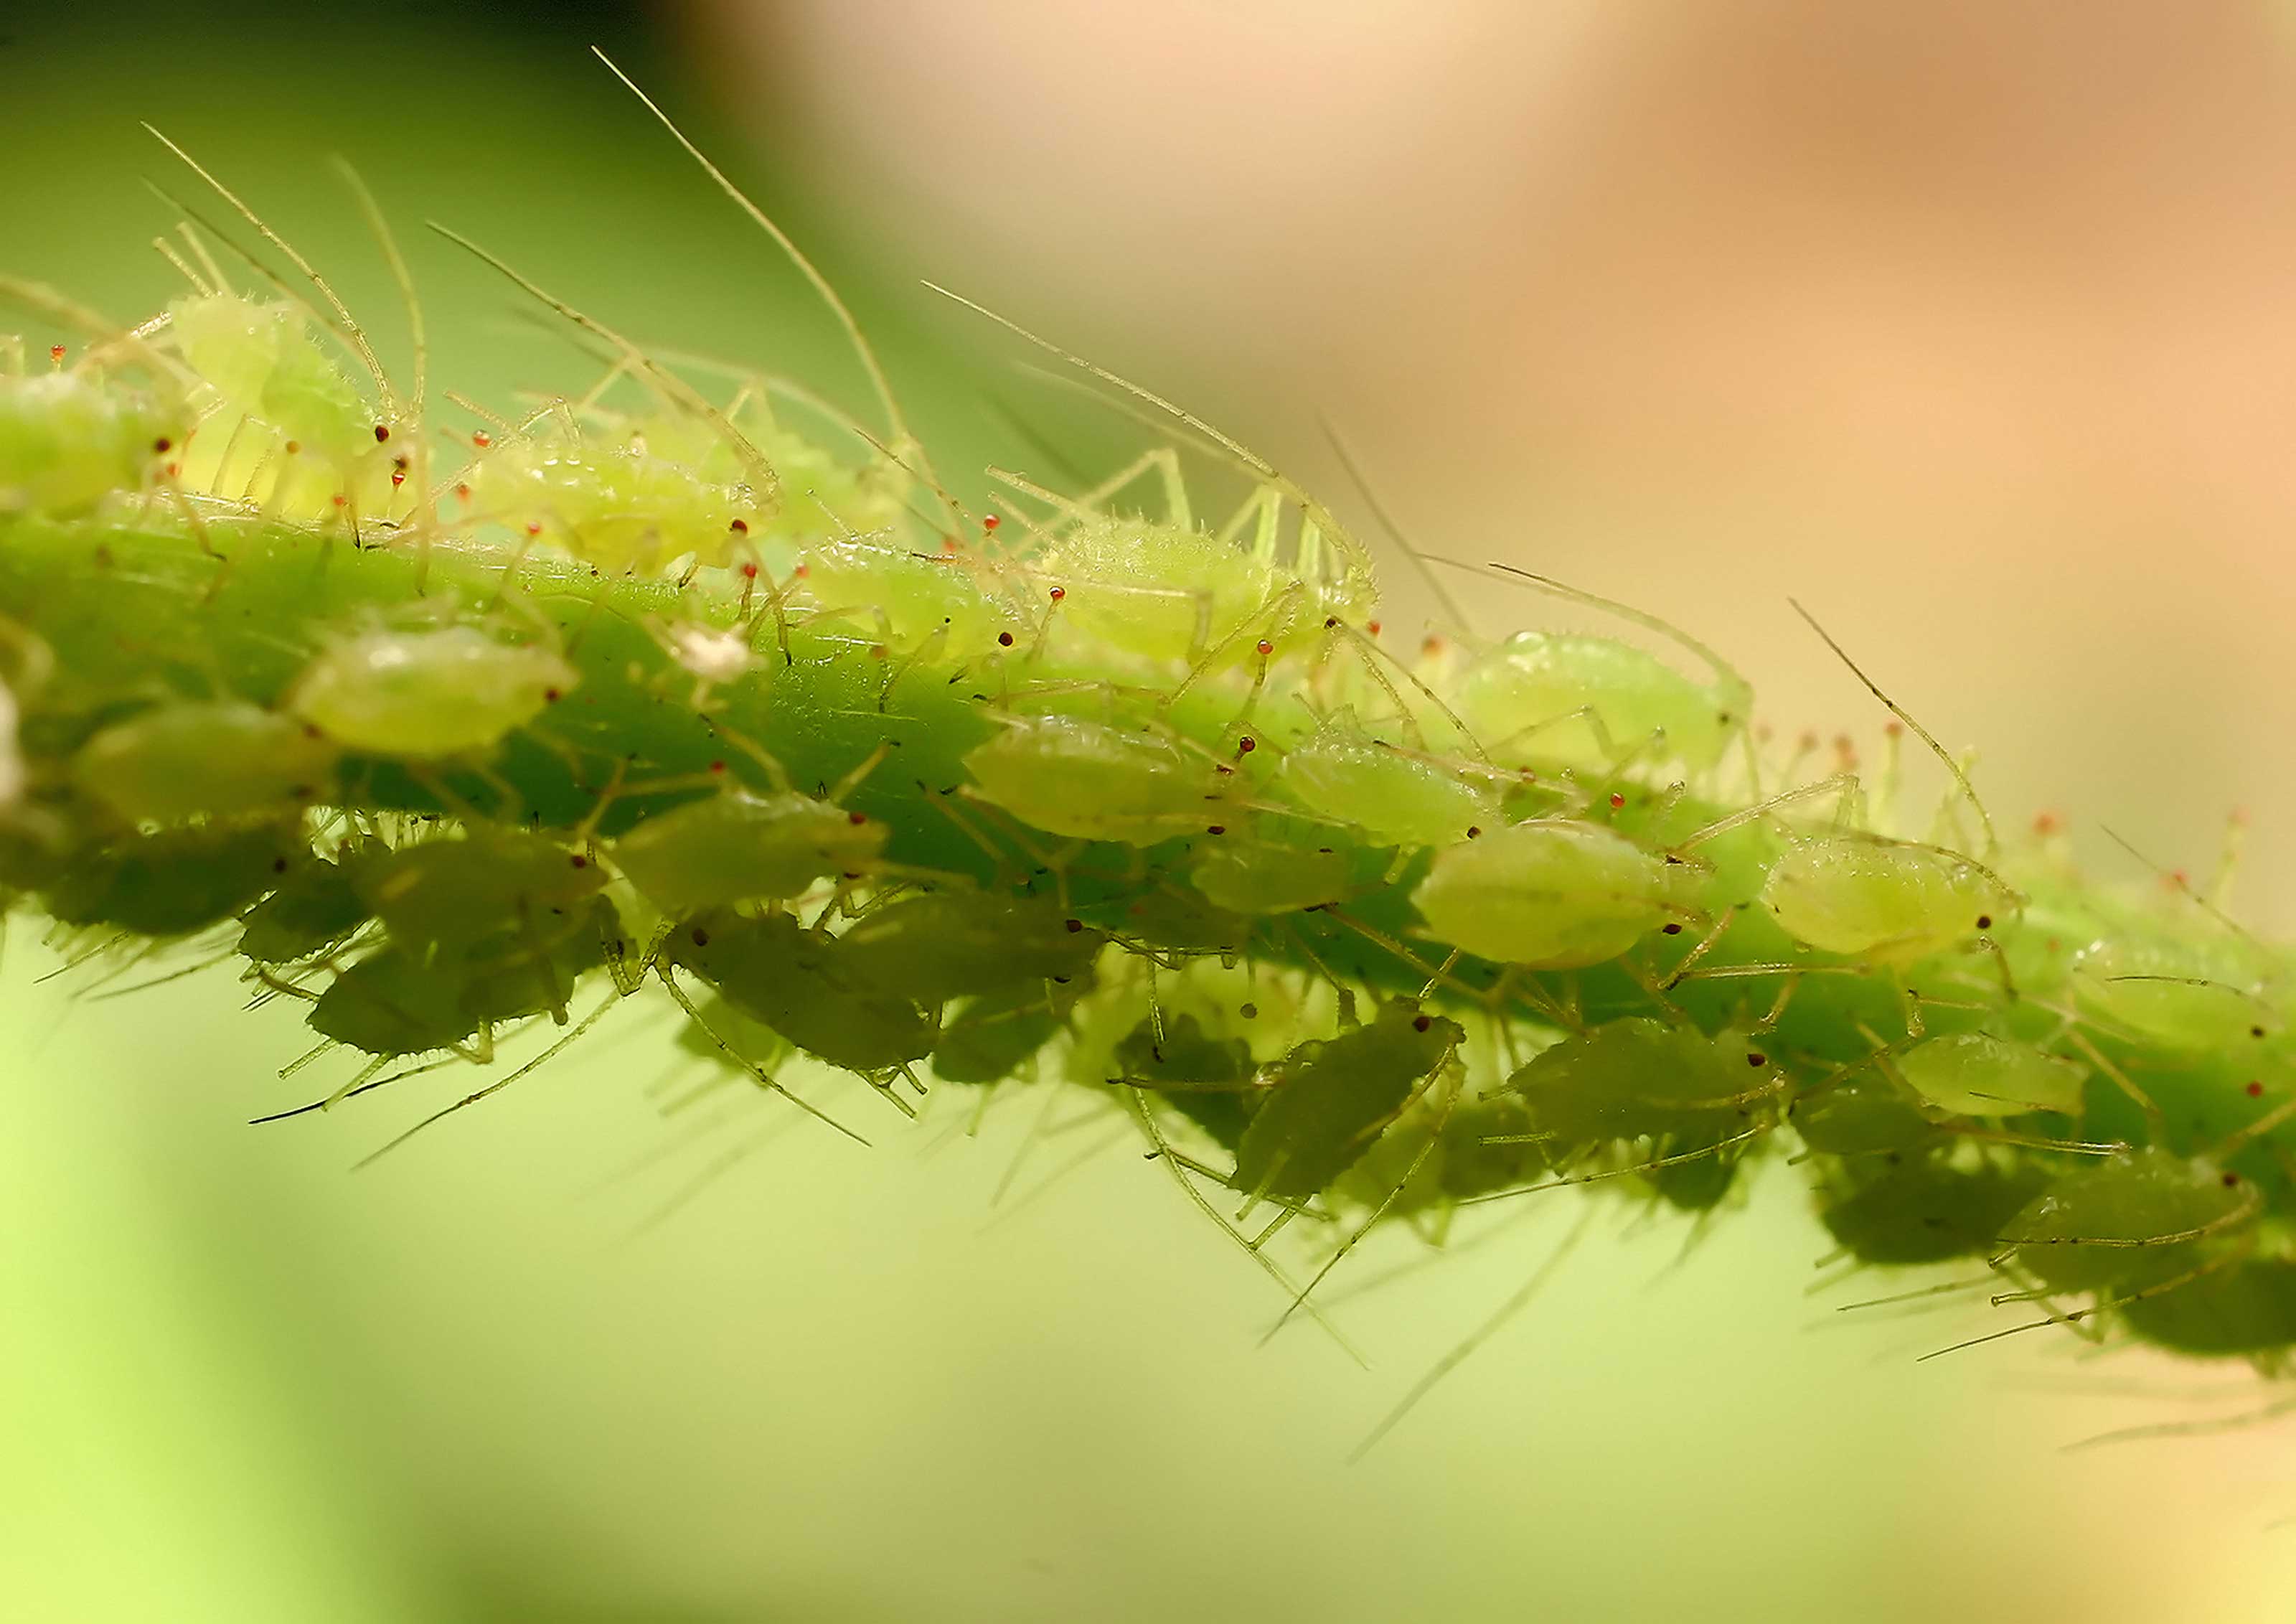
(1547, 699)
(991, 1037)
(1394, 796)
(1641, 1078)
(1206, 1079)
(1923, 1208)
(948, 944)
(1974, 1074)
(1248, 877)
(2245, 1308)
(1549, 894)
(314, 906)
(441, 896)
(1323, 1104)
(173, 882)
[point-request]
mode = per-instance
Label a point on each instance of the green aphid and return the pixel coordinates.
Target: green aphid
(1066, 776)
(262, 360)
(991, 1037)
(1923, 1208)
(2187, 993)
(1397, 797)
(1246, 876)
(393, 1003)
(1643, 1077)
(2241, 1309)
(215, 758)
(737, 847)
(67, 441)
(797, 982)
(1863, 1115)
(943, 945)
(950, 599)
(1883, 901)
(1975, 1074)
(2132, 1219)
(314, 906)
(1551, 894)
(451, 692)
(1554, 699)
(622, 509)
(445, 896)
(1321, 1105)
(528, 970)
(718, 1027)
(1206, 1079)
(174, 882)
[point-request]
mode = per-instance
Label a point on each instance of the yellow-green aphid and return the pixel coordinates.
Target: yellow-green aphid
(1975, 1074)
(2131, 1220)
(1641, 1078)
(739, 847)
(2185, 993)
(1551, 894)
(796, 981)
(1251, 876)
(821, 495)
(444, 896)
(1321, 1105)
(1884, 901)
(427, 693)
(215, 757)
(1395, 796)
(622, 509)
(944, 945)
(911, 597)
(67, 440)
(1067, 776)
(173, 882)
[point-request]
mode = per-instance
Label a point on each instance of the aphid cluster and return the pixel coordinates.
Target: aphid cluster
(702, 691)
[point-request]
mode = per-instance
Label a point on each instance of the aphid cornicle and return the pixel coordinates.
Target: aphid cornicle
(448, 692)
(1551, 894)
(1320, 1106)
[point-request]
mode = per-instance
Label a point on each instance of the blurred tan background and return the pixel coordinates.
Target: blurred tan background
(1971, 325)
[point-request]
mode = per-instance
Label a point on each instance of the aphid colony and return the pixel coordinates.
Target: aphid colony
(713, 696)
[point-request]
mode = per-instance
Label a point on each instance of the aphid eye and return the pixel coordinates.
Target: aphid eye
(1005, 639)
(2256, 1032)
(700, 937)
(163, 444)
(1756, 1059)
(1671, 928)
(1216, 829)
(2255, 1091)
(1474, 831)
(1058, 593)
(2230, 1179)
(1985, 922)
(1074, 925)
(381, 434)
(741, 527)
(578, 860)
(1422, 1024)
(1264, 647)
(857, 818)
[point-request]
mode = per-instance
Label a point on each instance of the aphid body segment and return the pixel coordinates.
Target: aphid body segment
(1884, 901)
(68, 439)
(952, 944)
(1321, 1105)
(447, 692)
(740, 847)
(2188, 993)
(217, 758)
(1551, 894)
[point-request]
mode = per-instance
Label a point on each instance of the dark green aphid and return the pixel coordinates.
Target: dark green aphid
(1923, 1209)
(1643, 1077)
(944, 945)
(1257, 877)
(737, 847)
(1861, 1116)
(717, 1026)
(443, 894)
(315, 905)
(174, 882)
(2246, 1308)
(798, 983)
(1322, 1105)
(1206, 1079)
(2132, 1219)
(991, 1037)
(215, 758)
(391, 1003)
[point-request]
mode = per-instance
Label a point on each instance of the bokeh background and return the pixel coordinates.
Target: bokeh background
(1972, 325)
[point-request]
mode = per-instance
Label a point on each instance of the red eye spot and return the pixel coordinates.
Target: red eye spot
(2230, 1179)
(341, 500)
(717, 767)
(578, 860)
(550, 695)
(1616, 800)
(700, 937)
(739, 526)
(2255, 1090)
(463, 492)
(1074, 925)
(57, 354)
(1004, 638)
(1058, 593)
(1758, 1059)
(294, 447)
(533, 529)
(1474, 831)
(1671, 928)
(1216, 829)
(381, 434)
(1372, 627)
(857, 818)
(989, 521)
(749, 572)
(397, 477)
(1421, 1024)
(1265, 647)
(481, 439)
(1246, 745)
(802, 571)
(163, 444)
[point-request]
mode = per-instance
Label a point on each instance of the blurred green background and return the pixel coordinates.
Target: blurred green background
(566, 1357)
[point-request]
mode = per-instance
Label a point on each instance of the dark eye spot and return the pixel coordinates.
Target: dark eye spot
(1074, 925)
(1670, 928)
(700, 937)
(1422, 1024)
(1985, 922)
(1753, 1058)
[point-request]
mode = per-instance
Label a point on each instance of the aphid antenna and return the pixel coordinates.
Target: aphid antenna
(47, 303)
(2204, 901)
(1953, 766)
(1358, 563)
(674, 388)
(862, 349)
(271, 278)
(1421, 564)
(351, 328)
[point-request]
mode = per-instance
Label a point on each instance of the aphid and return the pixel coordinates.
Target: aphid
(217, 758)
(1557, 698)
(173, 882)
(1861, 1115)
(314, 907)
(68, 439)
(1551, 894)
(737, 846)
(1395, 796)
(2246, 1308)
(2126, 1221)
(1975, 1074)
(2187, 993)
(990, 1036)
(449, 691)
(440, 895)
(950, 944)
(797, 982)
(1251, 876)
(1067, 776)
(621, 509)
(12, 755)
(1884, 901)
(1641, 1078)
(911, 599)
(1923, 1208)
(1207, 1079)
(1321, 1105)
